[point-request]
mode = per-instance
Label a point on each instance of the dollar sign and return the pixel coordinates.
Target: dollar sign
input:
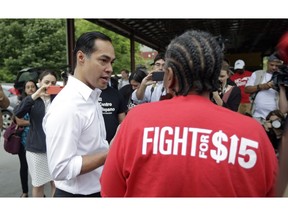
(220, 153)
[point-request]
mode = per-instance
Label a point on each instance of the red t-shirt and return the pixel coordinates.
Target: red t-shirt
(189, 147)
(241, 80)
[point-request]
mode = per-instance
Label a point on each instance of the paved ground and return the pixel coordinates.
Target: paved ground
(10, 185)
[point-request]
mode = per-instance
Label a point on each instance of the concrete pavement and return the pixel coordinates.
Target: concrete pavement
(10, 185)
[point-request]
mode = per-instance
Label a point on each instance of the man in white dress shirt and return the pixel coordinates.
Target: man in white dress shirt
(149, 90)
(74, 125)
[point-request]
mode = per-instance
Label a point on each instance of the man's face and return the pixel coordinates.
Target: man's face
(98, 67)
(239, 71)
(124, 75)
(159, 65)
(272, 66)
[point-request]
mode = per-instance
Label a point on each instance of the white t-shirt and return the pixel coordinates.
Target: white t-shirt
(266, 100)
(152, 93)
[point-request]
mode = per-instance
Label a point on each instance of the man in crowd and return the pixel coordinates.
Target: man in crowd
(149, 90)
(240, 78)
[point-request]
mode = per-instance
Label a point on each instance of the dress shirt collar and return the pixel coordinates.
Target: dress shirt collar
(83, 89)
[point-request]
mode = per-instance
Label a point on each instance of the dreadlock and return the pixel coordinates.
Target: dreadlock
(195, 58)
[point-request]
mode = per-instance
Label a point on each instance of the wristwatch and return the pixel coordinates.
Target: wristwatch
(258, 87)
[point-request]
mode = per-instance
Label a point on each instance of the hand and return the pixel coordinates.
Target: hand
(148, 80)
(216, 94)
(267, 125)
(40, 92)
(266, 86)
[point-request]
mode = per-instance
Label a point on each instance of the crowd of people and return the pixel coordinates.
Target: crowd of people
(205, 129)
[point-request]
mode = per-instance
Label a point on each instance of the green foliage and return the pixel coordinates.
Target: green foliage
(120, 43)
(31, 43)
(42, 43)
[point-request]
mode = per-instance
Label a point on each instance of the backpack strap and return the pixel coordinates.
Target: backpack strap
(260, 74)
(227, 94)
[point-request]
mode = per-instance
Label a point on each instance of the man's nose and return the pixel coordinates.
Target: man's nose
(109, 68)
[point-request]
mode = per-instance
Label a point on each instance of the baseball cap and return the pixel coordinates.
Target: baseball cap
(274, 58)
(239, 64)
(157, 57)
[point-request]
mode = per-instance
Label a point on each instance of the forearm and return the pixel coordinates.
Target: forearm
(251, 89)
(283, 104)
(22, 122)
(24, 107)
(282, 178)
(92, 162)
(256, 88)
(217, 98)
(4, 101)
(140, 92)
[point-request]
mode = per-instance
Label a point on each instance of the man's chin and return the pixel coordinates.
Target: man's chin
(102, 86)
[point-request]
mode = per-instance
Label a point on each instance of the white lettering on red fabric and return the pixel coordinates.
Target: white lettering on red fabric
(174, 141)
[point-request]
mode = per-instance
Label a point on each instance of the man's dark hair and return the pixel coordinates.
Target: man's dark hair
(86, 43)
(126, 71)
(138, 75)
(196, 59)
(160, 55)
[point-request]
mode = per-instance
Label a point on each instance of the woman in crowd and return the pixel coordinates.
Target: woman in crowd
(227, 95)
(36, 105)
(30, 87)
(135, 80)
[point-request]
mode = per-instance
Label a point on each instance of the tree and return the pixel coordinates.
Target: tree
(121, 44)
(31, 43)
(42, 43)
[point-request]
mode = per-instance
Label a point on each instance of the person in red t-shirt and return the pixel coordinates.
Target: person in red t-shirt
(187, 146)
(240, 77)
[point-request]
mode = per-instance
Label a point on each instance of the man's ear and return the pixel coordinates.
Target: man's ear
(170, 79)
(80, 56)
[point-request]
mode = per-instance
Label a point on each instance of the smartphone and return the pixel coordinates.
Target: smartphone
(158, 76)
(54, 89)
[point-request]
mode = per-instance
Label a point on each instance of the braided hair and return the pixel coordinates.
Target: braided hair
(195, 58)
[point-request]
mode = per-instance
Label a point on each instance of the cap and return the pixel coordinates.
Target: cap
(274, 58)
(157, 57)
(239, 64)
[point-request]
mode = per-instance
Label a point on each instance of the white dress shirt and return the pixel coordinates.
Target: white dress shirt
(152, 93)
(74, 126)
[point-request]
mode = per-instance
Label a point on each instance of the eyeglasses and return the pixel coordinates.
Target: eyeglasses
(159, 65)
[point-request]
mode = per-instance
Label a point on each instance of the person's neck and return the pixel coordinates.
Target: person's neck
(205, 94)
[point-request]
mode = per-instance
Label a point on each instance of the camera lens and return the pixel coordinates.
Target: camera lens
(276, 124)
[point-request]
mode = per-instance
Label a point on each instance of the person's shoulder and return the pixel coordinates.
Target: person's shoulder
(247, 120)
(247, 73)
(113, 90)
(149, 107)
(236, 88)
(258, 71)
